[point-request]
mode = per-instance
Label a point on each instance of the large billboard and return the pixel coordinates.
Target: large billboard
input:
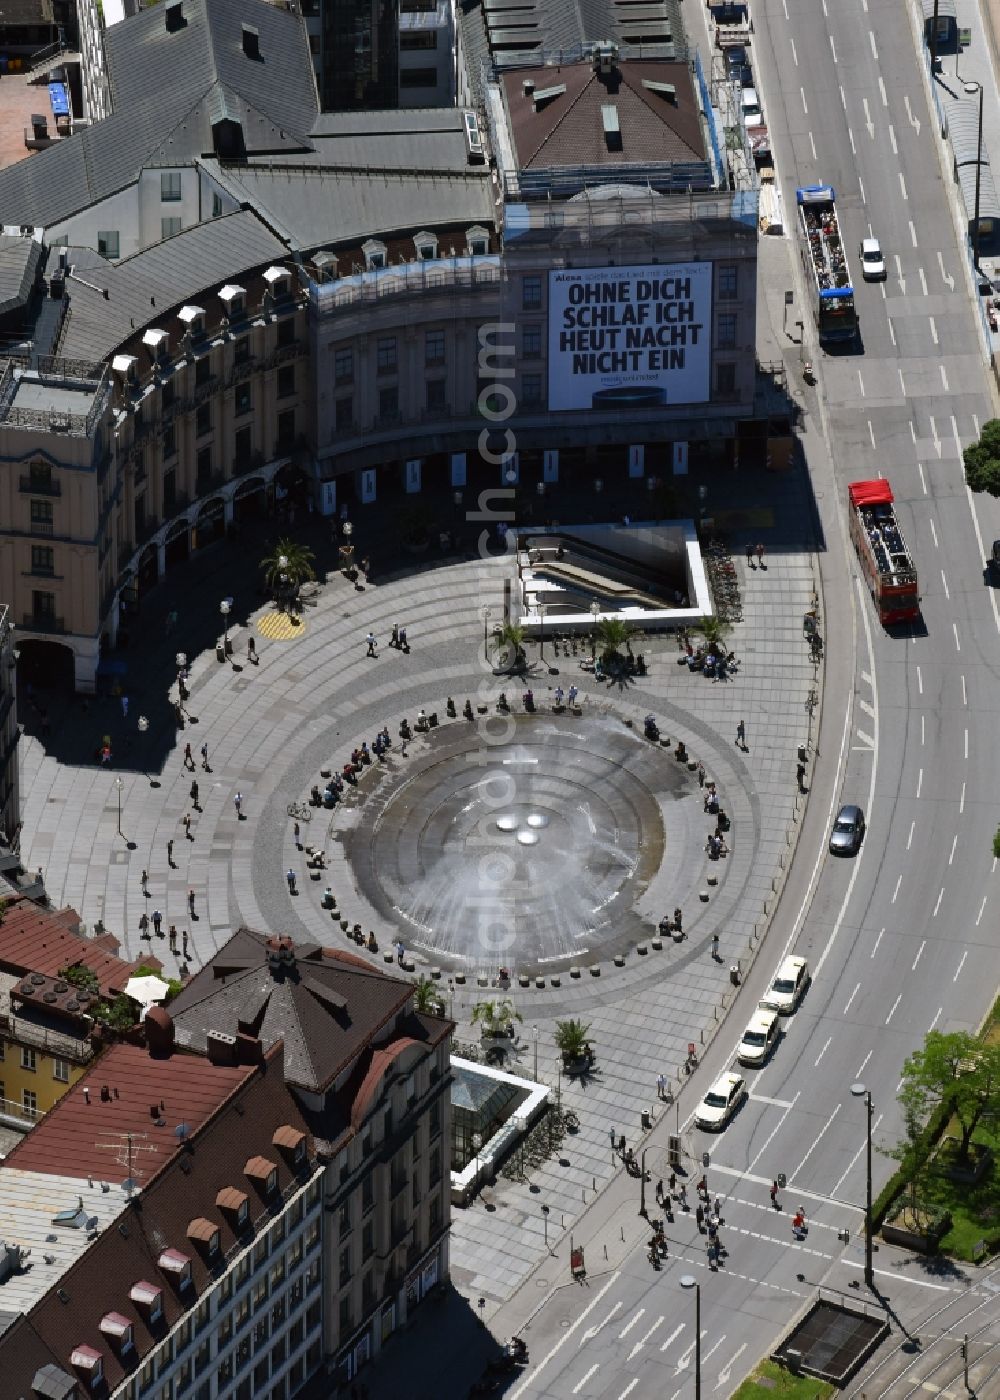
(630, 336)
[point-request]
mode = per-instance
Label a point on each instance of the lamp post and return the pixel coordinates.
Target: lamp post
(534, 1037)
(642, 1182)
(118, 786)
(224, 608)
(545, 1218)
(541, 630)
(487, 614)
(595, 612)
(971, 87)
(181, 660)
(477, 1142)
(689, 1281)
(860, 1092)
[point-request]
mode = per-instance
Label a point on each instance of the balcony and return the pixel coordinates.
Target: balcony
(42, 527)
(36, 486)
(42, 623)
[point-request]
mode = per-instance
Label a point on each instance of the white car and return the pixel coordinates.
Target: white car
(759, 1038)
(872, 261)
(750, 105)
(721, 1101)
(789, 983)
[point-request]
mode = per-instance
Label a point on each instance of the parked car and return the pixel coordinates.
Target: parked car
(872, 260)
(848, 831)
(790, 981)
(736, 58)
(760, 1037)
(721, 1101)
(751, 108)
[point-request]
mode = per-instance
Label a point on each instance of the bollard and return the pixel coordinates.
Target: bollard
(623, 1234)
(605, 1251)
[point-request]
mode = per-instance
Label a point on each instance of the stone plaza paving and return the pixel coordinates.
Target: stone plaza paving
(271, 728)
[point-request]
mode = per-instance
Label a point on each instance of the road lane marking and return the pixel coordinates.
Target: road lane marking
(934, 534)
(960, 966)
(643, 1340)
(895, 893)
(944, 379)
(954, 628)
(868, 119)
(584, 1379)
(727, 1370)
(628, 1326)
(934, 435)
(901, 1278)
(868, 709)
(592, 1332)
(843, 99)
(982, 906)
(871, 432)
(805, 104)
(923, 280)
(913, 234)
(937, 906)
(917, 958)
(773, 1131)
(922, 729)
(854, 993)
(979, 542)
(629, 1388)
(892, 137)
(776, 1103)
(714, 1349)
(861, 1067)
(893, 1008)
(961, 800)
(529, 1379)
(867, 740)
(947, 592)
(914, 121)
(795, 55)
(954, 843)
(822, 1052)
(854, 149)
(878, 941)
(909, 839)
(965, 693)
(934, 334)
(861, 384)
(967, 744)
(920, 781)
(902, 383)
(741, 1174)
(949, 280)
(813, 145)
(937, 1017)
(816, 1143)
(673, 1336)
(684, 1360)
(902, 186)
(923, 479)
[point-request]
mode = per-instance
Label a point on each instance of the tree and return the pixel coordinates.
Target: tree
(982, 460)
(954, 1069)
(288, 566)
(612, 635)
(427, 998)
(511, 638)
(715, 631)
(495, 1017)
(572, 1039)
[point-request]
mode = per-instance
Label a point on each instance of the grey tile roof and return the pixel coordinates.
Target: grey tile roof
(19, 259)
(165, 88)
(171, 272)
(312, 207)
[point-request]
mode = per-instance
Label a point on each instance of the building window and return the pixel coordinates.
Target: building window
(260, 1374)
(43, 559)
(278, 1354)
(202, 1357)
(345, 1266)
(169, 491)
(531, 342)
(368, 1192)
(725, 337)
(436, 393)
(286, 332)
(726, 275)
(40, 477)
(417, 77)
(29, 1101)
(368, 1240)
(28, 1058)
(241, 350)
(531, 388)
(434, 347)
(725, 379)
(170, 186)
(418, 39)
(2, 1053)
(224, 1371)
(286, 381)
(43, 611)
(261, 1332)
(388, 403)
(242, 1352)
(224, 1332)
(216, 205)
(243, 399)
(345, 1314)
(169, 441)
(385, 352)
(204, 468)
(168, 227)
(344, 414)
(436, 1213)
(244, 446)
(343, 367)
(368, 1290)
(203, 420)
(107, 243)
(531, 293)
(286, 437)
(60, 1070)
(41, 517)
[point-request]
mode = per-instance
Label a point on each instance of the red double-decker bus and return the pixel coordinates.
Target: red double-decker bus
(885, 559)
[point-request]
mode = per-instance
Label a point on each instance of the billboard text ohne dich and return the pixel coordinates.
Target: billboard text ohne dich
(629, 336)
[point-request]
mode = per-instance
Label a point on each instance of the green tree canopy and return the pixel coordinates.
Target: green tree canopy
(572, 1039)
(427, 998)
(982, 460)
(297, 568)
(495, 1017)
(958, 1069)
(612, 635)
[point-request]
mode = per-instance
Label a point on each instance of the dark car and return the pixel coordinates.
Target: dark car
(737, 59)
(848, 831)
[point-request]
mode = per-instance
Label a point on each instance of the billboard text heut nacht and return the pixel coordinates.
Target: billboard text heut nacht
(629, 336)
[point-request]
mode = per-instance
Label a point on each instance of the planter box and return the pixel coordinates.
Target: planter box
(923, 1242)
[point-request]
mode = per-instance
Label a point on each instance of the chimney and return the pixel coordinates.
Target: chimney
(251, 42)
(174, 17)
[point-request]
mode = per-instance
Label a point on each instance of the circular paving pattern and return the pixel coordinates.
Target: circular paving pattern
(528, 850)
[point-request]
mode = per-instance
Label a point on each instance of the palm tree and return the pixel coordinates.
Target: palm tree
(572, 1040)
(288, 566)
(612, 635)
(715, 631)
(427, 998)
(495, 1017)
(511, 638)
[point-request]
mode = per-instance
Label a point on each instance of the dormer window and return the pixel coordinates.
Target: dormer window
(148, 1298)
(126, 367)
(157, 342)
(426, 245)
(263, 1174)
(118, 1330)
(193, 319)
(234, 299)
(375, 254)
(89, 1365)
(292, 1142)
(478, 241)
(205, 1234)
(235, 1205)
(278, 282)
(176, 1266)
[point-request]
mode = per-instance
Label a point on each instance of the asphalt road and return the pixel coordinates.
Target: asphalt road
(903, 938)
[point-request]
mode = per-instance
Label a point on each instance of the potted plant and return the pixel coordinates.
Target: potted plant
(612, 635)
(509, 643)
(496, 1019)
(288, 566)
(426, 998)
(573, 1043)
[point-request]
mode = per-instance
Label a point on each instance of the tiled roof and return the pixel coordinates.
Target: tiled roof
(324, 1008)
(101, 1280)
(33, 939)
(568, 129)
(149, 1099)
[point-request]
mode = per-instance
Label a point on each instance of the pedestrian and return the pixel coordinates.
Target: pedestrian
(701, 774)
(672, 1182)
(124, 707)
(188, 757)
(760, 557)
(191, 903)
(774, 1195)
(712, 1254)
(661, 1084)
(366, 568)
(297, 831)
(573, 693)
(611, 1131)
(372, 644)
(715, 947)
(659, 1192)
(394, 639)
(252, 650)
(170, 854)
(144, 882)
(238, 804)
(799, 1223)
(699, 1216)
(682, 1197)
(741, 736)
(172, 937)
(290, 877)
(400, 951)
(702, 1189)
(186, 822)
(144, 925)
(750, 556)
(800, 775)
(184, 940)
(157, 921)
(204, 758)
(403, 643)
(717, 1209)
(194, 796)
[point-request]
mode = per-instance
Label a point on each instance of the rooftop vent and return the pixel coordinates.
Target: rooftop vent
(251, 42)
(174, 17)
(612, 126)
(605, 54)
(528, 86)
(543, 96)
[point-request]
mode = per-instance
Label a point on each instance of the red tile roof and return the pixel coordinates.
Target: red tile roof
(90, 1139)
(33, 939)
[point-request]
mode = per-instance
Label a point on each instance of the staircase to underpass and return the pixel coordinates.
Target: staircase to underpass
(617, 578)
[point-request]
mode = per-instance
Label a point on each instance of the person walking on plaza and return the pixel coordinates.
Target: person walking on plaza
(715, 947)
(238, 804)
(157, 922)
(170, 854)
(252, 651)
(760, 557)
(403, 643)
(774, 1195)
(701, 774)
(144, 925)
(297, 832)
(372, 644)
(394, 639)
(661, 1084)
(184, 940)
(144, 882)
(186, 823)
(290, 877)
(750, 556)
(188, 757)
(741, 736)
(204, 758)
(191, 904)
(699, 1216)
(194, 796)
(172, 938)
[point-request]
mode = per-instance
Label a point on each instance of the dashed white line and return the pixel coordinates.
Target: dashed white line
(583, 1381)
(920, 781)
(960, 965)
(944, 581)
(805, 104)
(922, 717)
(966, 743)
(850, 134)
(643, 1340)
(871, 432)
(892, 140)
(815, 1144)
(894, 1005)
(920, 681)
(673, 1336)
(937, 902)
(909, 839)
(913, 234)
(917, 958)
(934, 334)
(555, 1350)
(961, 800)
(937, 1017)
(629, 1325)
(920, 469)
(773, 1131)
(843, 99)
(861, 1067)
(965, 694)
(878, 941)
(954, 843)
(902, 384)
(944, 379)
(923, 280)
(837, 1184)
(851, 998)
(813, 145)
(902, 186)
(861, 384)
(934, 533)
(899, 881)
(882, 92)
(629, 1389)
(982, 907)
(823, 1051)
(795, 55)
(958, 644)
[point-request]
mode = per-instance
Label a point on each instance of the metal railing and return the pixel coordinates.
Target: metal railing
(16, 1114)
(34, 486)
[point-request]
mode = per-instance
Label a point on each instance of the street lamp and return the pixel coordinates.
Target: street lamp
(970, 88)
(477, 1142)
(541, 630)
(545, 1218)
(119, 785)
(689, 1281)
(181, 660)
(224, 608)
(487, 614)
(595, 612)
(534, 1037)
(860, 1092)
